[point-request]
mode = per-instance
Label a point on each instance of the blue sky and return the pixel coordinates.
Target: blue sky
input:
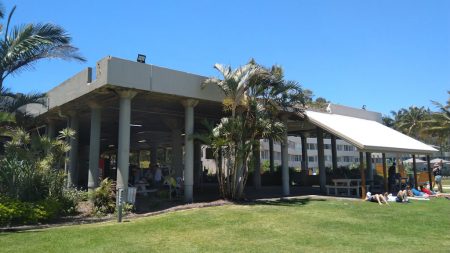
(383, 54)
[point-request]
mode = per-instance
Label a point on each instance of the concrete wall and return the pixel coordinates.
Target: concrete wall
(158, 79)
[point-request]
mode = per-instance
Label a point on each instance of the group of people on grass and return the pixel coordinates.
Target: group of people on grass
(404, 195)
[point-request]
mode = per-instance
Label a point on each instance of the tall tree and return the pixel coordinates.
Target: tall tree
(253, 95)
(21, 46)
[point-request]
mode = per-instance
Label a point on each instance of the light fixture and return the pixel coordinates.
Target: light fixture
(141, 58)
(142, 141)
(135, 125)
(111, 146)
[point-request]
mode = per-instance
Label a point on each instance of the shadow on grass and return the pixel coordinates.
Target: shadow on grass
(294, 202)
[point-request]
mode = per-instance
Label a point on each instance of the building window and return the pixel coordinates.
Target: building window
(312, 146)
(340, 147)
(291, 145)
(265, 155)
(327, 146)
(277, 156)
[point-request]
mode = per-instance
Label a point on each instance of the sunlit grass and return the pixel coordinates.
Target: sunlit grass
(295, 226)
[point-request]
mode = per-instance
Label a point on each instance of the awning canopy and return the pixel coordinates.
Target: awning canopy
(368, 135)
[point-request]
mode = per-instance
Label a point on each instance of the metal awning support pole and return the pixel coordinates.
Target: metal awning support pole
(429, 173)
(415, 171)
(363, 176)
(385, 181)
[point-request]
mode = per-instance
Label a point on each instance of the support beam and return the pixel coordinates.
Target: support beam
(257, 165)
(285, 160)
(415, 171)
(321, 160)
(94, 146)
(123, 153)
(73, 153)
(369, 167)
(271, 156)
(363, 175)
(304, 153)
(334, 152)
(430, 178)
(385, 179)
(51, 129)
(189, 105)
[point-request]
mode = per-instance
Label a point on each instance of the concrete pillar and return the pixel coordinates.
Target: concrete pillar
(257, 165)
(334, 152)
(285, 160)
(321, 160)
(369, 169)
(271, 156)
(123, 153)
(51, 129)
(94, 146)
(72, 179)
(189, 105)
(177, 152)
(304, 153)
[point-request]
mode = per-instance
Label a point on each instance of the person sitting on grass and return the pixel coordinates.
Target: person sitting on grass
(402, 197)
(430, 193)
(376, 198)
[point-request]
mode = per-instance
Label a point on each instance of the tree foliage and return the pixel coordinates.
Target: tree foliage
(254, 97)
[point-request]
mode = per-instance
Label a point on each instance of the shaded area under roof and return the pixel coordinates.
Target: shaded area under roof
(368, 135)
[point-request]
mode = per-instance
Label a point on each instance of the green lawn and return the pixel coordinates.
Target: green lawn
(296, 226)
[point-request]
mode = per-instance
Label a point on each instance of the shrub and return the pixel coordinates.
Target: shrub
(16, 212)
(104, 197)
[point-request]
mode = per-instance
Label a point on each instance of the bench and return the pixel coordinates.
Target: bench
(348, 190)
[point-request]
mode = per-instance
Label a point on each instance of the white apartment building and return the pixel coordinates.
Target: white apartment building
(347, 154)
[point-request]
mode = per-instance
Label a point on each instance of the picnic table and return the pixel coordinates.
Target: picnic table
(141, 188)
(345, 187)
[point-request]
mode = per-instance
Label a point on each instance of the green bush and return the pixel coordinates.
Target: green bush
(104, 197)
(16, 212)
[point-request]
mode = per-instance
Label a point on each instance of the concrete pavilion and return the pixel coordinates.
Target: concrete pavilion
(124, 106)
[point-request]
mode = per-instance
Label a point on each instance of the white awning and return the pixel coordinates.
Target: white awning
(368, 135)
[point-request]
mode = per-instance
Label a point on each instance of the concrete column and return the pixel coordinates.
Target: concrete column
(123, 153)
(51, 129)
(257, 165)
(94, 146)
(177, 152)
(285, 160)
(72, 179)
(334, 152)
(189, 105)
(304, 153)
(369, 169)
(271, 156)
(321, 160)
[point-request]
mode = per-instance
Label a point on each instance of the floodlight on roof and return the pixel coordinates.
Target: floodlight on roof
(141, 58)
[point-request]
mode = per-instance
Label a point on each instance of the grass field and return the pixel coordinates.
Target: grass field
(294, 226)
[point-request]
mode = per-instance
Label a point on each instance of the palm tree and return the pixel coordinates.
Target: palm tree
(253, 96)
(24, 45)
(438, 124)
(410, 121)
